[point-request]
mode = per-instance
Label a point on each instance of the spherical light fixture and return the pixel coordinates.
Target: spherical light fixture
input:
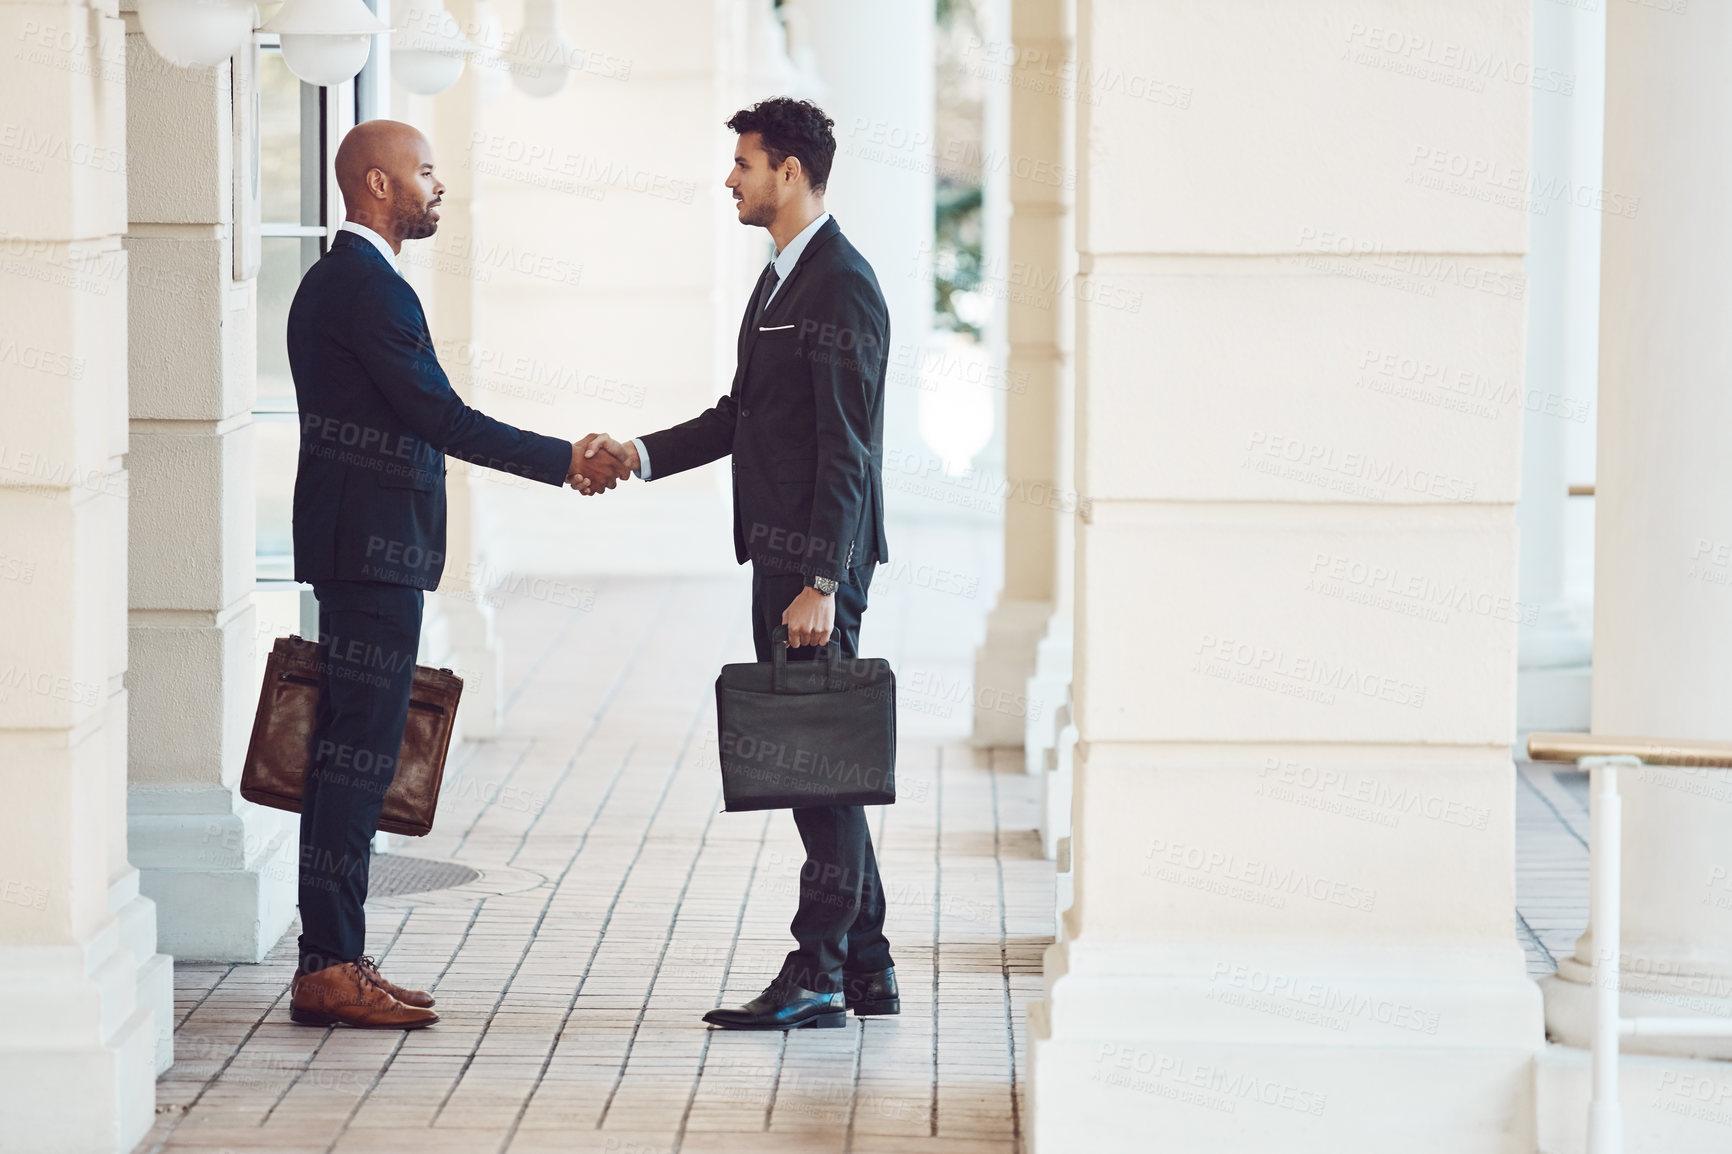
(541, 57)
(326, 42)
(427, 49)
(196, 33)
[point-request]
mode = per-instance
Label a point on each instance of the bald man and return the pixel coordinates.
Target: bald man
(378, 417)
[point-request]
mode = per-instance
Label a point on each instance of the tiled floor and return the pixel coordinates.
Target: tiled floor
(616, 905)
(1551, 862)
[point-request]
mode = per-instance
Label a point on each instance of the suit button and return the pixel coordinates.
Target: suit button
(745, 412)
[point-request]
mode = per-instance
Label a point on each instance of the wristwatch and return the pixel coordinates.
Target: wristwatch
(822, 584)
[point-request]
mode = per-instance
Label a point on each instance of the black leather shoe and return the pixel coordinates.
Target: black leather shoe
(784, 1006)
(870, 994)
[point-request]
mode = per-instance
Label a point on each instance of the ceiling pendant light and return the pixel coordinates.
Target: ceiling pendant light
(427, 49)
(326, 42)
(196, 33)
(541, 57)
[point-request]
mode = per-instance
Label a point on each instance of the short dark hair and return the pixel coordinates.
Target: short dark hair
(795, 128)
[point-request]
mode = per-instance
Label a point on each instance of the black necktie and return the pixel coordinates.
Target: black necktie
(768, 286)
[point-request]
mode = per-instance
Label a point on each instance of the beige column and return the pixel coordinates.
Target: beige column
(1295, 643)
(448, 271)
(221, 870)
(1027, 647)
(1663, 529)
(78, 969)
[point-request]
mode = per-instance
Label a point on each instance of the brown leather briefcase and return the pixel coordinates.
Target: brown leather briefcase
(282, 744)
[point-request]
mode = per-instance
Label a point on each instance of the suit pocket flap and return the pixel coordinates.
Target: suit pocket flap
(803, 469)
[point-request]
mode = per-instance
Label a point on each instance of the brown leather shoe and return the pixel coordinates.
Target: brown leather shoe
(419, 998)
(344, 995)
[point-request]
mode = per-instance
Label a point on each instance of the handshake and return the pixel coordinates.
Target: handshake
(598, 463)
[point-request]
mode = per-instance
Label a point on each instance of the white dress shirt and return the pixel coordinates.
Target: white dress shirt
(784, 262)
(378, 242)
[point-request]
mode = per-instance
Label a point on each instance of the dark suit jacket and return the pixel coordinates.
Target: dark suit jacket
(804, 419)
(378, 417)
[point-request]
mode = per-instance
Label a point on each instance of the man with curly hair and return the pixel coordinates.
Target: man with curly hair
(804, 424)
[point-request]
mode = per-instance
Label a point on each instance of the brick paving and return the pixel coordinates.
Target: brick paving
(616, 904)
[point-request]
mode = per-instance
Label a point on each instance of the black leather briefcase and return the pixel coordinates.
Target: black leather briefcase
(801, 733)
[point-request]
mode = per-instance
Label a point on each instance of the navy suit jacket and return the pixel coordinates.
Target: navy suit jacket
(804, 419)
(378, 417)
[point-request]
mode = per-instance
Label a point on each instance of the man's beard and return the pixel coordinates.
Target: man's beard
(415, 220)
(757, 215)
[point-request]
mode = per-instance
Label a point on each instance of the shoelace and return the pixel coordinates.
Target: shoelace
(369, 971)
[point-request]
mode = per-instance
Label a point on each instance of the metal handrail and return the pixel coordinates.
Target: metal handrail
(1652, 750)
(1602, 756)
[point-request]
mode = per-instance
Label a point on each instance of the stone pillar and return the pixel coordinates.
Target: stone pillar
(447, 271)
(1027, 648)
(1663, 528)
(1293, 846)
(221, 870)
(79, 976)
(1563, 331)
(875, 62)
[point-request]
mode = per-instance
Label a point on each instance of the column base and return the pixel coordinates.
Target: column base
(1048, 694)
(458, 635)
(135, 918)
(78, 1053)
(1327, 1051)
(1055, 791)
(1569, 997)
(222, 871)
(1678, 1105)
(1002, 667)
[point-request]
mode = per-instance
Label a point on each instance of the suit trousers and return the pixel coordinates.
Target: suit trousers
(839, 925)
(368, 637)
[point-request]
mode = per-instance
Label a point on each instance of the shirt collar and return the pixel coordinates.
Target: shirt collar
(377, 241)
(790, 256)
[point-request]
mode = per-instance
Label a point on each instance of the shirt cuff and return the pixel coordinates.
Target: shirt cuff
(642, 472)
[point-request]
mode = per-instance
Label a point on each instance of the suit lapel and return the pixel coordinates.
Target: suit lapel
(819, 239)
(779, 304)
(748, 326)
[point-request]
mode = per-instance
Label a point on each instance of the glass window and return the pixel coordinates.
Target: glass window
(292, 200)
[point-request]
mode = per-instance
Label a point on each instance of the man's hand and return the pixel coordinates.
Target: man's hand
(593, 472)
(602, 445)
(810, 618)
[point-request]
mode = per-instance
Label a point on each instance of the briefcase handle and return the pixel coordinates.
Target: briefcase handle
(779, 656)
